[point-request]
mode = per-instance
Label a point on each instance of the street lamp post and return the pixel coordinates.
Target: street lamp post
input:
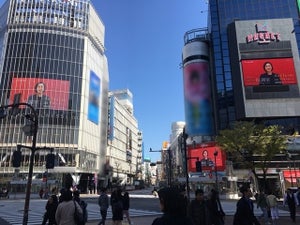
(216, 174)
(33, 119)
(289, 157)
(184, 151)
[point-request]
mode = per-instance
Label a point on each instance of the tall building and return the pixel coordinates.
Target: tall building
(124, 151)
(243, 38)
(256, 72)
(54, 47)
(252, 51)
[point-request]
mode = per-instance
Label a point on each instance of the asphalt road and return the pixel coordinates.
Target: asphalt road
(151, 204)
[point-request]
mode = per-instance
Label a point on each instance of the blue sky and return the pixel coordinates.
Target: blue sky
(144, 41)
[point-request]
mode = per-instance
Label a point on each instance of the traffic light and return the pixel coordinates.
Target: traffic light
(198, 166)
(50, 161)
(16, 158)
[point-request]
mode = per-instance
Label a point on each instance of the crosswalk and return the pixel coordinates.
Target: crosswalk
(12, 212)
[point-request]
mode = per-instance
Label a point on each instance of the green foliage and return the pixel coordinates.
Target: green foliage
(247, 139)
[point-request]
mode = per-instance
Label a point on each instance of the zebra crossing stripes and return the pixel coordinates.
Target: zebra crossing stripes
(12, 212)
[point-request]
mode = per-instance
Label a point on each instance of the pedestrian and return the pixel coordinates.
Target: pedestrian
(173, 206)
(217, 215)
(244, 214)
(198, 209)
(298, 196)
(261, 202)
(51, 207)
(66, 209)
(126, 205)
(117, 206)
(83, 205)
(46, 193)
(273, 206)
(103, 202)
(41, 193)
(291, 200)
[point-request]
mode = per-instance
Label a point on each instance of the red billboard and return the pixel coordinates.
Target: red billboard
(291, 175)
(41, 93)
(206, 155)
(281, 71)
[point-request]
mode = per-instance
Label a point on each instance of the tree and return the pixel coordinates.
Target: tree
(247, 139)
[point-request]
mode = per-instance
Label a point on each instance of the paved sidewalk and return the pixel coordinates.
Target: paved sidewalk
(147, 220)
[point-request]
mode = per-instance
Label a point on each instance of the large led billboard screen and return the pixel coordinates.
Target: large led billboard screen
(197, 99)
(254, 71)
(269, 78)
(265, 68)
(94, 98)
(49, 97)
(206, 155)
(41, 93)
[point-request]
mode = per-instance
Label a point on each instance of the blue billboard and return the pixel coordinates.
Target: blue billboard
(94, 98)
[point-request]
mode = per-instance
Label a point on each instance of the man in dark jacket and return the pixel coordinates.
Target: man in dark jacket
(103, 203)
(173, 206)
(198, 209)
(244, 209)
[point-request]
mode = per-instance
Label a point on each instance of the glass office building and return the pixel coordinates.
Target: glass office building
(246, 38)
(222, 13)
(52, 57)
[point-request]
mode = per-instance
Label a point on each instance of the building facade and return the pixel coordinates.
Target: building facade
(222, 15)
(54, 47)
(124, 150)
(248, 62)
(247, 37)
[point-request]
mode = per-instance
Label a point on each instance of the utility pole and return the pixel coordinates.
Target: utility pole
(169, 165)
(216, 173)
(34, 119)
(29, 131)
(184, 136)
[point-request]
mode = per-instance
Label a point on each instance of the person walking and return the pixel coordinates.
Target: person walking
(261, 202)
(103, 202)
(83, 205)
(51, 207)
(217, 215)
(198, 209)
(126, 205)
(173, 206)
(66, 209)
(273, 206)
(244, 214)
(291, 200)
(117, 206)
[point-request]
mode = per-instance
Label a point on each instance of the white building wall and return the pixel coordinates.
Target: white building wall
(117, 152)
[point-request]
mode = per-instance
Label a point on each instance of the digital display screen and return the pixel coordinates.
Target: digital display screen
(94, 98)
(40, 93)
(254, 71)
(207, 158)
(49, 98)
(197, 99)
(270, 78)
